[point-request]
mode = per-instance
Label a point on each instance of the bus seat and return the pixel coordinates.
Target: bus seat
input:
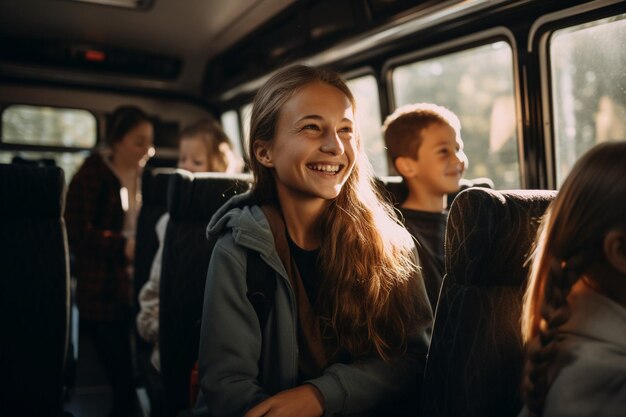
(154, 183)
(34, 290)
(475, 357)
(192, 200)
(394, 189)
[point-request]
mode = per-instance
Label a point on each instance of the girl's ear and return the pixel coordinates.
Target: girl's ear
(263, 153)
(614, 245)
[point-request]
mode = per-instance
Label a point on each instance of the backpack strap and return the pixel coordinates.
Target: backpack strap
(261, 281)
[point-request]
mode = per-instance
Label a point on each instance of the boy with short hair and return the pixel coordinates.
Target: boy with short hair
(425, 145)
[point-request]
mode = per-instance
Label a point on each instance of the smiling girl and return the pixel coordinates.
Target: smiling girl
(349, 325)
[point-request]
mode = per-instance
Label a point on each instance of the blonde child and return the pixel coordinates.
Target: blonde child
(203, 147)
(574, 314)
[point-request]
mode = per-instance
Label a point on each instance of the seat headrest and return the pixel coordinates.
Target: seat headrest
(488, 231)
(196, 197)
(395, 190)
(28, 191)
(154, 183)
(392, 188)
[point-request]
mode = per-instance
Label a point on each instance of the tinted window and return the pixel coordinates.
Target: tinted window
(477, 85)
(230, 123)
(588, 88)
(50, 126)
(246, 114)
(365, 91)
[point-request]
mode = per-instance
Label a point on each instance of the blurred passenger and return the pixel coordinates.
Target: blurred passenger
(102, 205)
(574, 314)
(202, 147)
(425, 145)
(349, 323)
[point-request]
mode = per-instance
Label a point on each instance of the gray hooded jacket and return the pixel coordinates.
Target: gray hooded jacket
(241, 365)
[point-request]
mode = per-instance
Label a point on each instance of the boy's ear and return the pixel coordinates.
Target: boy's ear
(405, 166)
(614, 245)
(262, 153)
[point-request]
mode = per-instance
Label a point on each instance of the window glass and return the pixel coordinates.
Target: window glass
(246, 114)
(365, 91)
(68, 161)
(230, 123)
(477, 85)
(588, 88)
(49, 126)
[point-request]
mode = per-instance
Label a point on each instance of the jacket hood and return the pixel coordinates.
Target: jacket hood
(244, 219)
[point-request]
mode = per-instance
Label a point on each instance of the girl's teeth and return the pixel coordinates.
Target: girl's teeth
(325, 168)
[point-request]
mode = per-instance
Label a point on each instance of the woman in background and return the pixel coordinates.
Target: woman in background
(103, 201)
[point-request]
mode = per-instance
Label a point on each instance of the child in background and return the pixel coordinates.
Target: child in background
(350, 320)
(574, 314)
(425, 145)
(203, 147)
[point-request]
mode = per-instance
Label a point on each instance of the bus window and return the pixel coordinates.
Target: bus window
(588, 88)
(246, 113)
(49, 127)
(365, 92)
(230, 123)
(477, 85)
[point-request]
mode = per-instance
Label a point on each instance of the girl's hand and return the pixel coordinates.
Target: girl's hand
(302, 401)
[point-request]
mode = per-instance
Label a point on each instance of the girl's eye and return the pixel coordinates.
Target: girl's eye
(345, 130)
(310, 127)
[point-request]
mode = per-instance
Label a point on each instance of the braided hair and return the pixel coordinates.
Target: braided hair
(589, 204)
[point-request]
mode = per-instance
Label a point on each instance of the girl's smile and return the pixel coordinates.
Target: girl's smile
(314, 146)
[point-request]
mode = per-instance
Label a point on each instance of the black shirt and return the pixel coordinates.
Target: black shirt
(429, 229)
(306, 261)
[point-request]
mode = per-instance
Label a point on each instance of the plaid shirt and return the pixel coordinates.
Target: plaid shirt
(95, 220)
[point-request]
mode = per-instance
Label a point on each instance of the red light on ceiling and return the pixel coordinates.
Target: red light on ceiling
(94, 55)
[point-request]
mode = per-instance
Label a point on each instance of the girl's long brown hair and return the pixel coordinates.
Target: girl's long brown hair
(367, 294)
(591, 202)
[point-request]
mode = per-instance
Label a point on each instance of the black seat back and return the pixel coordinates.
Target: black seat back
(395, 190)
(34, 290)
(193, 199)
(154, 185)
(475, 358)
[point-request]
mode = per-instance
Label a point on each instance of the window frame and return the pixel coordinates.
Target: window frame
(464, 43)
(539, 40)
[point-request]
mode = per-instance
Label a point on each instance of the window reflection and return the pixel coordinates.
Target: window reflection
(588, 87)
